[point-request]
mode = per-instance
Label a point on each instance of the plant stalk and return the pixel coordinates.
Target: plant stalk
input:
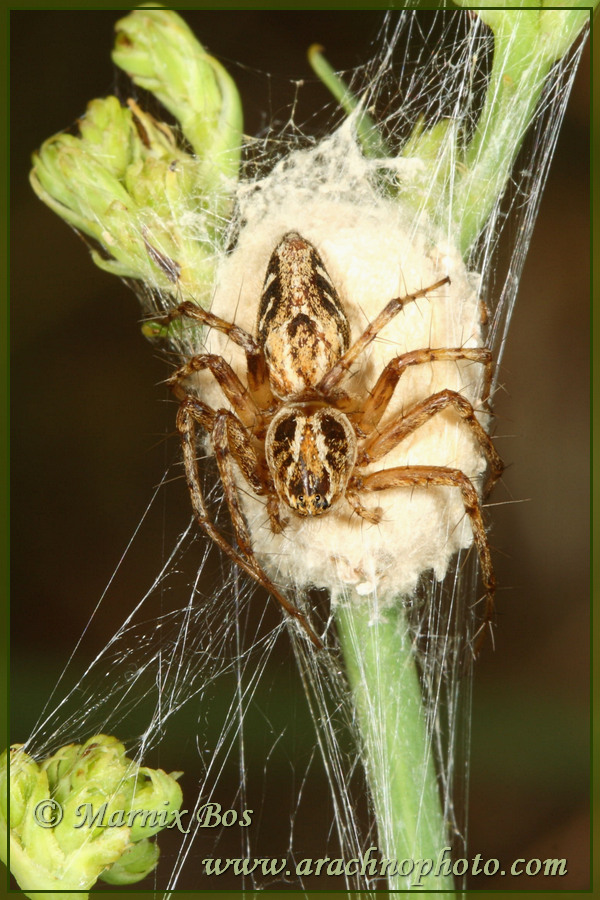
(397, 749)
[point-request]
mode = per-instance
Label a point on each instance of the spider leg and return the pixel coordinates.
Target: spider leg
(256, 363)
(373, 516)
(382, 393)
(253, 467)
(337, 371)
(190, 412)
(224, 457)
(238, 395)
(424, 476)
(385, 440)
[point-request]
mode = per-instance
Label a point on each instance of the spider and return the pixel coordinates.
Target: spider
(299, 439)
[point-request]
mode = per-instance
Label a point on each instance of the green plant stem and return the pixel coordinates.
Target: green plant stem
(397, 750)
(527, 43)
(367, 131)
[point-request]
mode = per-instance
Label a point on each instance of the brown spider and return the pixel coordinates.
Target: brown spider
(296, 436)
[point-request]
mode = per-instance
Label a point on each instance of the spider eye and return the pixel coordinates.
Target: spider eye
(301, 501)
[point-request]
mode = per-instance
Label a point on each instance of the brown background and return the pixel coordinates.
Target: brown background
(89, 421)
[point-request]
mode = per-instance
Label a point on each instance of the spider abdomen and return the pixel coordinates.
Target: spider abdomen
(311, 455)
(302, 325)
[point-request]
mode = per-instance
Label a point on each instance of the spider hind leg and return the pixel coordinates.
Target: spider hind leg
(425, 476)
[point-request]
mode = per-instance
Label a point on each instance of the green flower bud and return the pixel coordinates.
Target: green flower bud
(97, 762)
(36, 860)
(24, 780)
(135, 194)
(153, 211)
(136, 862)
(77, 179)
(107, 127)
(73, 816)
(55, 768)
(160, 53)
(154, 792)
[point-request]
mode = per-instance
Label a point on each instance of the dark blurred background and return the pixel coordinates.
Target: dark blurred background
(92, 433)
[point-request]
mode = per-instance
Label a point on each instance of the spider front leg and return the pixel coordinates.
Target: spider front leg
(424, 476)
(390, 310)
(193, 411)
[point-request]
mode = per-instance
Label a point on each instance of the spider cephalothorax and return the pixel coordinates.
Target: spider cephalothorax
(298, 437)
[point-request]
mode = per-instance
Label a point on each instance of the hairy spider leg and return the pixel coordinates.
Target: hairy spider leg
(256, 363)
(374, 516)
(238, 395)
(190, 412)
(381, 443)
(246, 406)
(252, 466)
(378, 401)
(424, 476)
(339, 369)
(251, 416)
(224, 453)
